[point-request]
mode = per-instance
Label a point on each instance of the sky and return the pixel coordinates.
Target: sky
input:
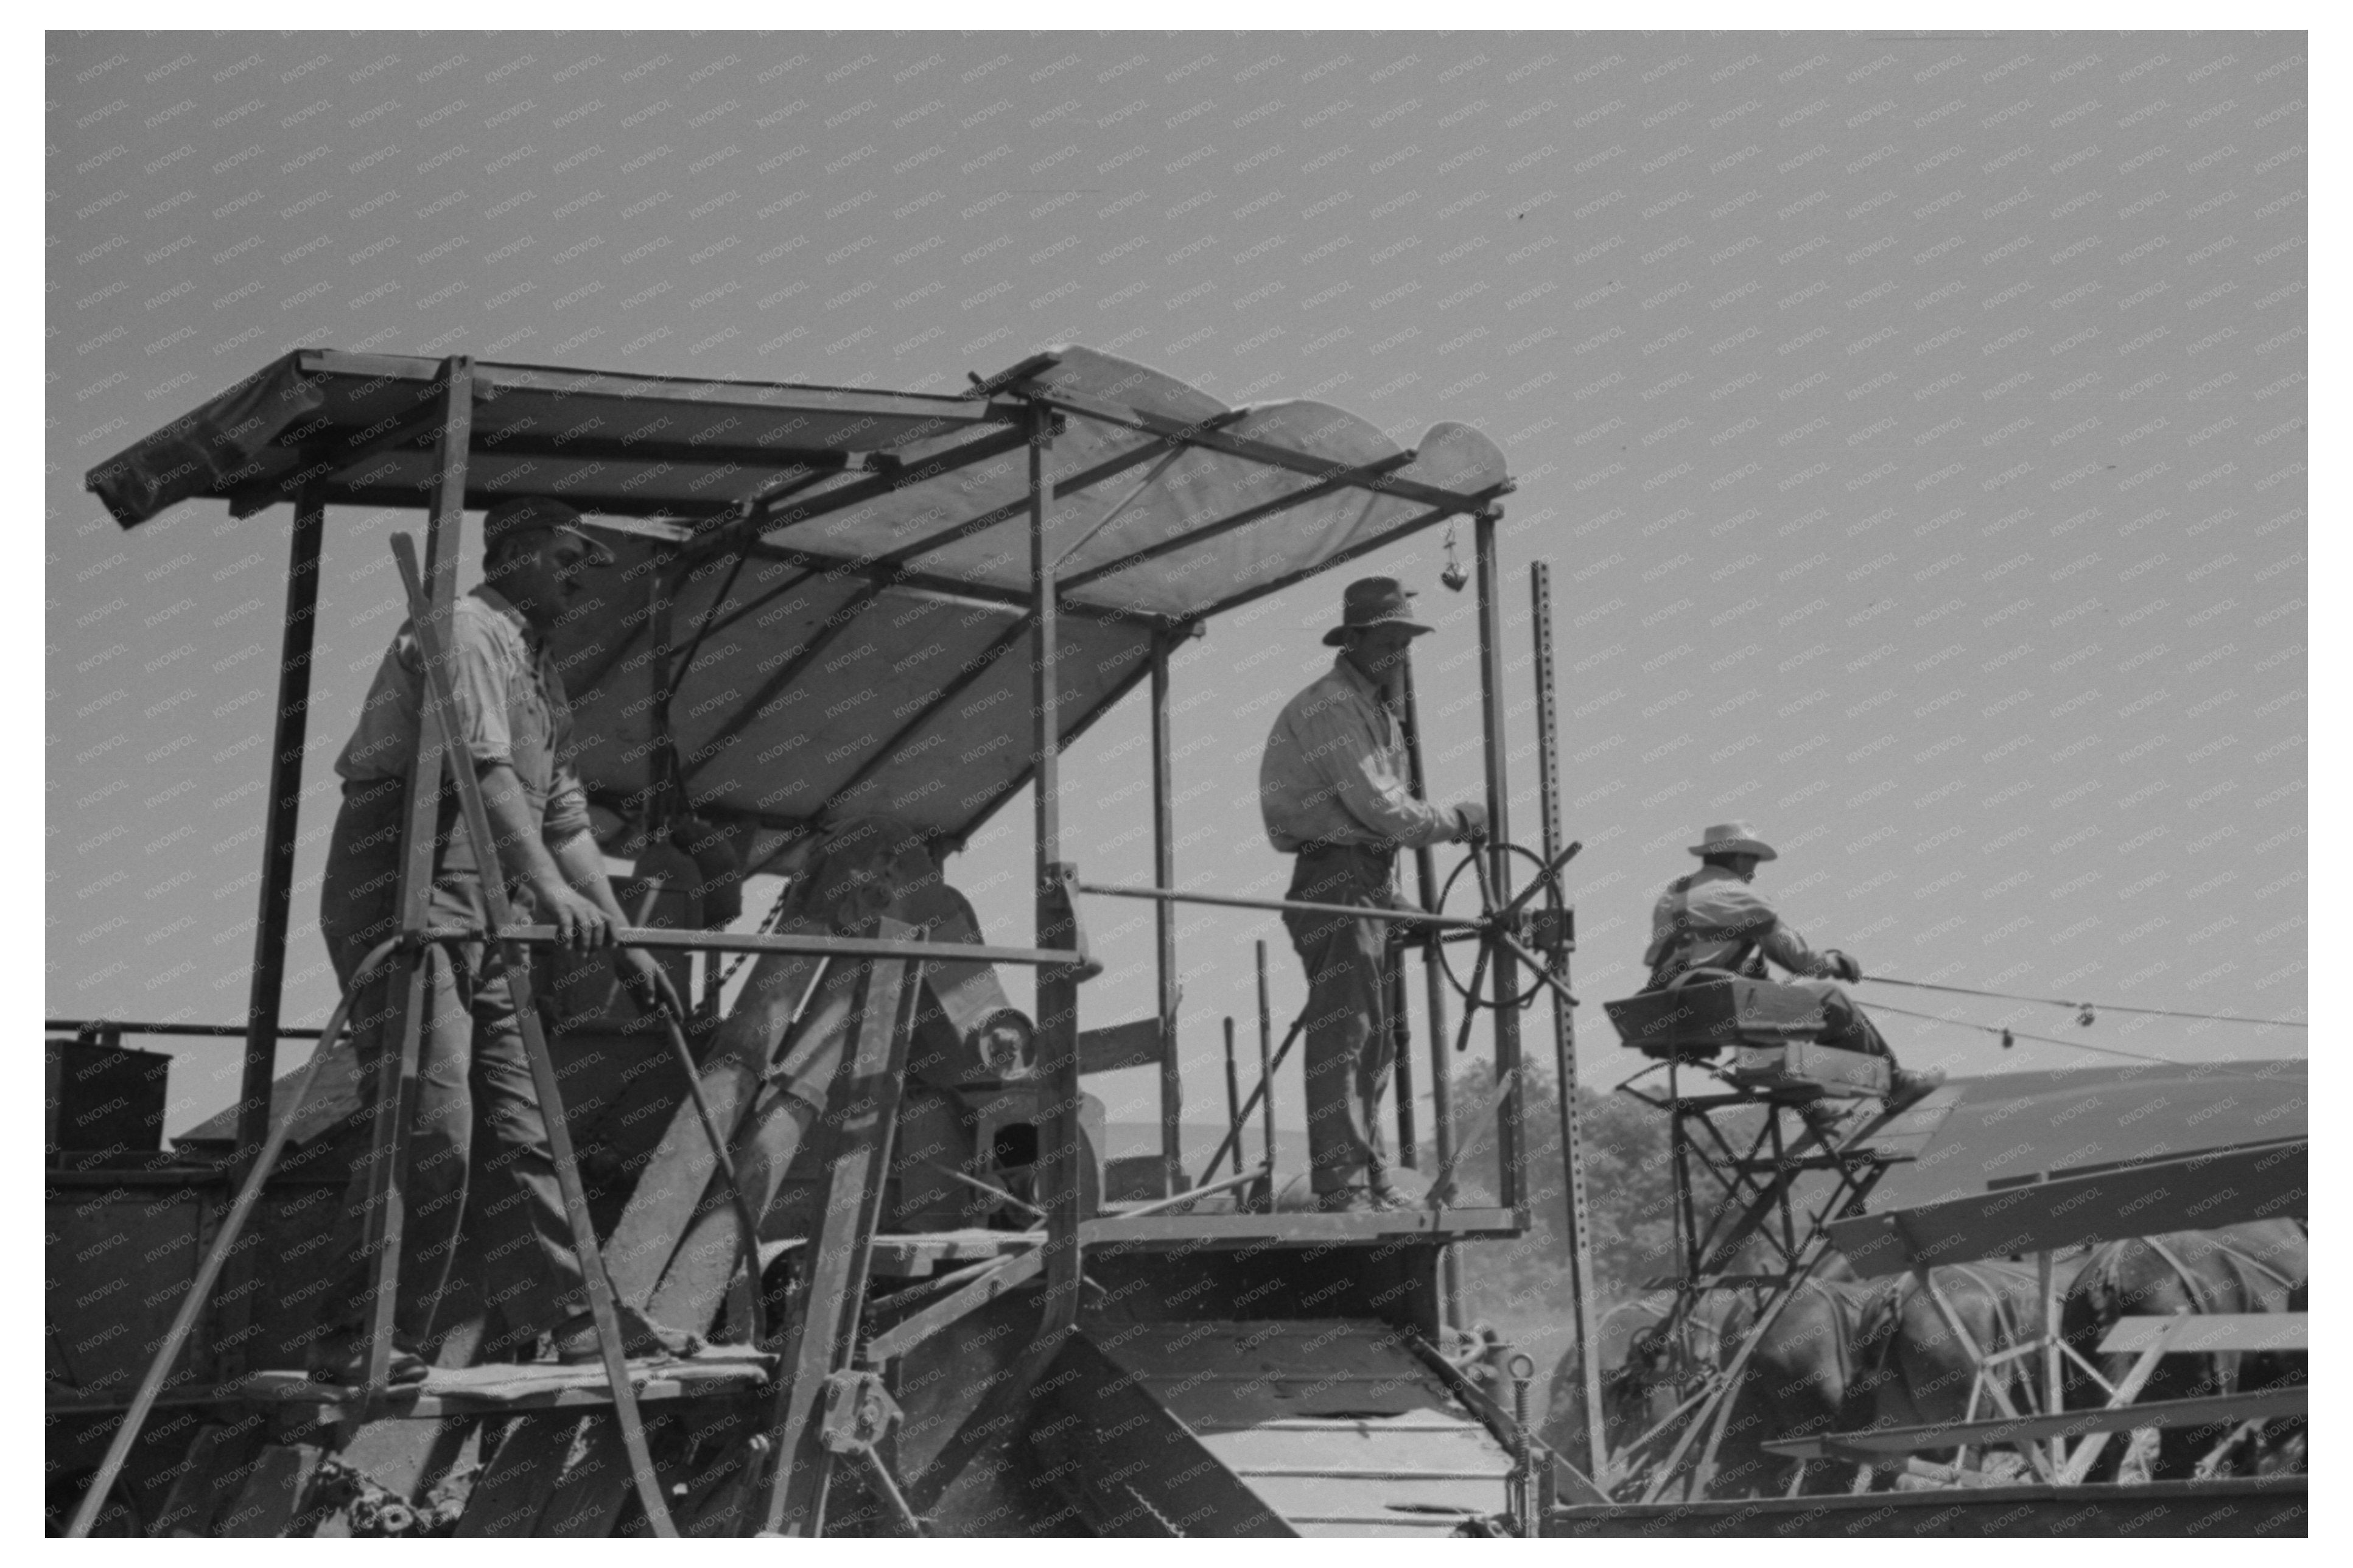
(1914, 426)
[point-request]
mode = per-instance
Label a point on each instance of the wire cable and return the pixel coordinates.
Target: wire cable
(2008, 1035)
(2090, 1007)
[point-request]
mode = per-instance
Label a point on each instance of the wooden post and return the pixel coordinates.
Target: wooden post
(397, 1078)
(1164, 875)
(1433, 975)
(1509, 1142)
(1057, 1023)
(1582, 1282)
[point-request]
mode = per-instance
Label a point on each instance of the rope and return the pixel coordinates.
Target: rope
(2087, 1009)
(2008, 1035)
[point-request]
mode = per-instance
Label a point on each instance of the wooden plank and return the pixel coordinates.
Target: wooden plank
(2194, 1334)
(495, 1389)
(1118, 1045)
(2220, 1411)
(2226, 1186)
(1336, 1229)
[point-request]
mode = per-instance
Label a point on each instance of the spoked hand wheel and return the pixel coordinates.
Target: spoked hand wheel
(1535, 913)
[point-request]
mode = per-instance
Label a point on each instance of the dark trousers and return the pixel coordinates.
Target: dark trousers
(1350, 1048)
(478, 1127)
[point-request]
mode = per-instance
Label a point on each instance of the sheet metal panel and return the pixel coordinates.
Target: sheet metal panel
(2225, 1186)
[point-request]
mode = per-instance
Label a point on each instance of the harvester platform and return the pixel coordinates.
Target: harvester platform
(1291, 1427)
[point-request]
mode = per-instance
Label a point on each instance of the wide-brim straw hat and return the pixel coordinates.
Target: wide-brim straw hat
(1732, 838)
(1374, 601)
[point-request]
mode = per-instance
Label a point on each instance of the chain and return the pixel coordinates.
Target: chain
(1165, 1522)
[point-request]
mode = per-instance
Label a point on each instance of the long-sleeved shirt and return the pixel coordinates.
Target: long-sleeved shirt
(1334, 771)
(511, 709)
(1712, 919)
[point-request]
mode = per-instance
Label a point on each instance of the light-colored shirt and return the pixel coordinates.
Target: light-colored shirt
(1706, 920)
(1334, 771)
(511, 709)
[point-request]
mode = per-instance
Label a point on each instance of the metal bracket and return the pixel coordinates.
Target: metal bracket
(857, 1417)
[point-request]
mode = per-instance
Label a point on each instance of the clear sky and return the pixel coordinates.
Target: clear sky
(1915, 424)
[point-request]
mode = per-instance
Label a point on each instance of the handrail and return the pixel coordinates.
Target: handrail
(205, 1031)
(663, 939)
(1289, 906)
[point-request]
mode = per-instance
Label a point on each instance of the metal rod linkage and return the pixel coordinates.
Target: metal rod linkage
(1291, 906)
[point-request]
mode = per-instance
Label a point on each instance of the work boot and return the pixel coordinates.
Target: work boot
(1909, 1087)
(576, 1343)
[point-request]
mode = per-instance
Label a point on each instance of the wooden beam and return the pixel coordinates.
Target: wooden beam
(2218, 1410)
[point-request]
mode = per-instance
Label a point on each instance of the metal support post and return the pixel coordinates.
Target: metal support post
(1583, 1284)
(1510, 1144)
(1163, 925)
(403, 1024)
(279, 820)
(1057, 1023)
(1234, 1116)
(1266, 1071)
(1433, 974)
(279, 823)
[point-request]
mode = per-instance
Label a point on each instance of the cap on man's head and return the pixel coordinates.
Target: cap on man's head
(527, 514)
(1374, 601)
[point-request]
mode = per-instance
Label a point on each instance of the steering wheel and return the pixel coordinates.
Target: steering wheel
(1529, 913)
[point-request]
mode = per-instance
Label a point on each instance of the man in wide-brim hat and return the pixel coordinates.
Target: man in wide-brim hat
(1333, 789)
(1713, 923)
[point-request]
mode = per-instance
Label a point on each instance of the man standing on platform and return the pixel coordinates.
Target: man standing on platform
(471, 1066)
(1331, 788)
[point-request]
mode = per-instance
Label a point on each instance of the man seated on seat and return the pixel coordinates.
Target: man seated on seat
(1711, 925)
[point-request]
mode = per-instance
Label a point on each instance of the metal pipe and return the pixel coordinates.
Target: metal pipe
(1234, 1118)
(1289, 906)
(1057, 992)
(203, 1031)
(280, 816)
(1232, 1139)
(1433, 974)
(1510, 1142)
(661, 938)
(1266, 1072)
(1164, 922)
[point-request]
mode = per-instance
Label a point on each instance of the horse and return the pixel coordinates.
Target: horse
(1816, 1368)
(1930, 1377)
(1648, 1368)
(2256, 1267)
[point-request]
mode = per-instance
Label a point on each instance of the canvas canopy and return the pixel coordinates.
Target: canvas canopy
(820, 603)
